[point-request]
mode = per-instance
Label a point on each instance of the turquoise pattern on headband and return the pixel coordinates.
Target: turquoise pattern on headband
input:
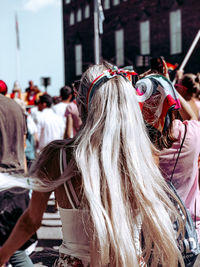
(126, 73)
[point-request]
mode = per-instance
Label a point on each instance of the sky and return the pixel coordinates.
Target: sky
(40, 52)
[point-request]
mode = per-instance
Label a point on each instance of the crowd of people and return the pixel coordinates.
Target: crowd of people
(107, 151)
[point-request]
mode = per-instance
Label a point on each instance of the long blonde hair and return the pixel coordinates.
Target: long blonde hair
(121, 182)
(124, 191)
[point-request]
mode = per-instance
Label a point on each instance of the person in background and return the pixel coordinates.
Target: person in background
(56, 100)
(113, 201)
(49, 125)
(3, 88)
(31, 140)
(32, 94)
(12, 160)
(16, 91)
(66, 94)
(73, 120)
(162, 109)
(188, 86)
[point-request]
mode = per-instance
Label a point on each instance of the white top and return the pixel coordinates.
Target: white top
(35, 113)
(75, 240)
(32, 128)
(60, 109)
(50, 127)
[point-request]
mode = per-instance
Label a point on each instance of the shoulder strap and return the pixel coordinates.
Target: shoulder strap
(179, 153)
(175, 167)
(68, 184)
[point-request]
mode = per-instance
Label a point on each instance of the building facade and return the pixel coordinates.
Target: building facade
(133, 32)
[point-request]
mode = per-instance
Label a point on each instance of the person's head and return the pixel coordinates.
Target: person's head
(3, 88)
(45, 101)
(120, 179)
(158, 99)
(16, 87)
(66, 93)
(190, 82)
(30, 83)
(157, 64)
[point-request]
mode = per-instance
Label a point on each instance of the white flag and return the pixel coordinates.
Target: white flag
(101, 17)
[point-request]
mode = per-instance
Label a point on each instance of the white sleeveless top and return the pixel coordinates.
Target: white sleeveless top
(75, 240)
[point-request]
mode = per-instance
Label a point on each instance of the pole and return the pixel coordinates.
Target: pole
(187, 56)
(196, 39)
(96, 34)
(18, 65)
(17, 49)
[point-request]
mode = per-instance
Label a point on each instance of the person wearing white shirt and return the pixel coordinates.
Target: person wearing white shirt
(66, 93)
(50, 126)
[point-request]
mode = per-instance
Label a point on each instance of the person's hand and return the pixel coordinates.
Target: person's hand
(3, 262)
(165, 69)
(179, 75)
(3, 257)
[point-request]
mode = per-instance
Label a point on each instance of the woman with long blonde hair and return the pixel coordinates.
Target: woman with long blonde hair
(114, 203)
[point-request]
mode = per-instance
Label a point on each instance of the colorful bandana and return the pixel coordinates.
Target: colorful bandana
(126, 72)
(156, 96)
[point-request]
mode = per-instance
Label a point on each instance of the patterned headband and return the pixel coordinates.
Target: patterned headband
(126, 72)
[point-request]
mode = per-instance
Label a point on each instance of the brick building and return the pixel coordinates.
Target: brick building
(133, 31)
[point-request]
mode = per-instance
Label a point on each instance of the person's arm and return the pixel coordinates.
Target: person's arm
(69, 127)
(186, 111)
(26, 226)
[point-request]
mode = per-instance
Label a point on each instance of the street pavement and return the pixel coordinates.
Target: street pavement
(197, 263)
(49, 237)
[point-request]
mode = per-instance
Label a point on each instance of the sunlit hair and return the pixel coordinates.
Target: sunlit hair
(121, 182)
(122, 186)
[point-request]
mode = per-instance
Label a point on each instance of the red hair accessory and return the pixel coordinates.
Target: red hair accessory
(126, 73)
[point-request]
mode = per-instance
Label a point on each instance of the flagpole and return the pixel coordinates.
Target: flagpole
(96, 34)
(17, 50)
(17, 65)
(196, 39)
(187, 56)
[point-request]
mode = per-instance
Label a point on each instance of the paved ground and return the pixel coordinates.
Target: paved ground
(49, 238)
(197, 263)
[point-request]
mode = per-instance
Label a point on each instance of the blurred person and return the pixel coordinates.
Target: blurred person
(17, 96)
(31, 140)
(188, 86)
(30, 86)
(16, 91)
(66, 94)
(73, 120)
(3, 88)
(56, 100)
(32, 94)
(161, 109)
(12, 160)
(49, 125)
(108, 187)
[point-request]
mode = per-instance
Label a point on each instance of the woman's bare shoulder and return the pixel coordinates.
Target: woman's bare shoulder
(47, 163)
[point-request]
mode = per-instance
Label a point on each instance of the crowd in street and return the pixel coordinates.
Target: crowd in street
(111, 149)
